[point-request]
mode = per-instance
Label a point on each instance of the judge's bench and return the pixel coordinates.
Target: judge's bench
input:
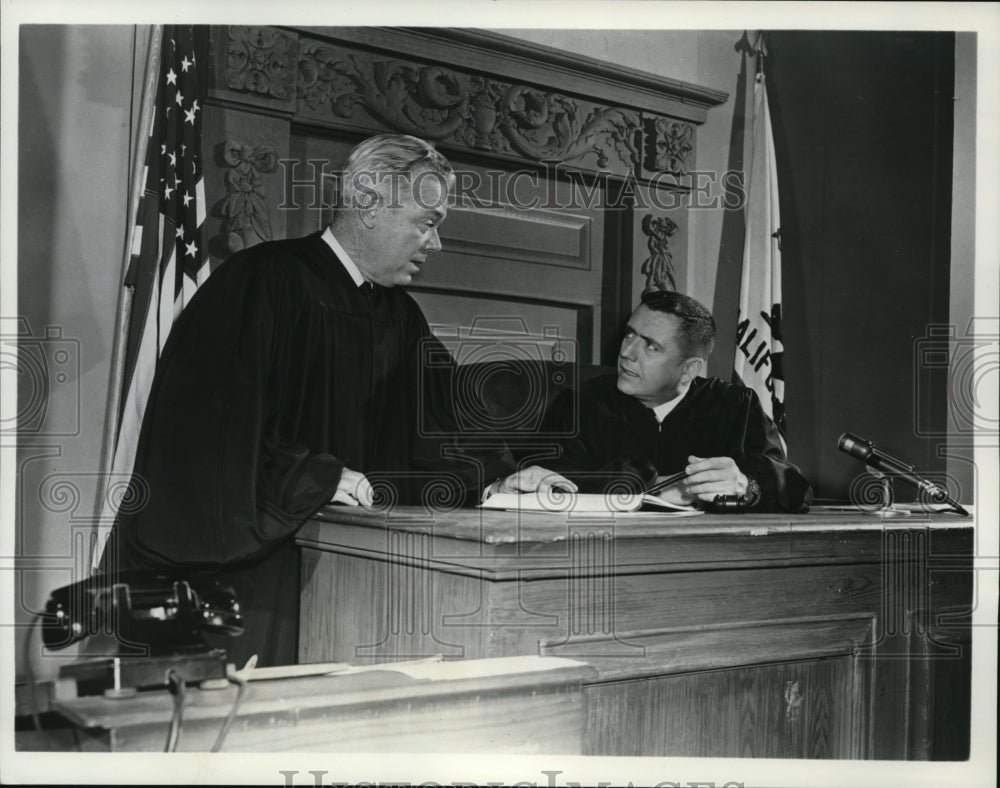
(832, 634)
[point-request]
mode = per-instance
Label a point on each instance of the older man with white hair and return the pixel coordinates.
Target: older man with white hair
(294, 379)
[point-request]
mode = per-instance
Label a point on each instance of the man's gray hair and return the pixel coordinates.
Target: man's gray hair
(377, 163)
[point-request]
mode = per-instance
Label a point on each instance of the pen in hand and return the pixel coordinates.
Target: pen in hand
(672, 479)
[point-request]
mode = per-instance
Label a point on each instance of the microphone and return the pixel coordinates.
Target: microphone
(881, 460)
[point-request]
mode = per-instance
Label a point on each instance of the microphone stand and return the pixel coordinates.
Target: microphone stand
(887, 506)
(885, 466)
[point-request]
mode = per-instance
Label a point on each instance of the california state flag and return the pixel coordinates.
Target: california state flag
(759, 352)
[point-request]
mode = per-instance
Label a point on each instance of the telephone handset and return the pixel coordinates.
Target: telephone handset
(158, 610)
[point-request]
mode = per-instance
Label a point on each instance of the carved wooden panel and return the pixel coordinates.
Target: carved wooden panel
(366, 90)
(334, 83)
(254, 64)
(499, 233)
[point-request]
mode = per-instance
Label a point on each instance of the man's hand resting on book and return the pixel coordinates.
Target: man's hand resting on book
(530, 479)
(707, 478)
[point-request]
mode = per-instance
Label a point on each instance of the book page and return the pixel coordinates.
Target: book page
(655, 500)
(587, 503)
(564, 502)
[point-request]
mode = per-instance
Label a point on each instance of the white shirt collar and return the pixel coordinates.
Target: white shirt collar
(349, 265)
(664, 408)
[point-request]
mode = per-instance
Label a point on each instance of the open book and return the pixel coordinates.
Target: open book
(586, 503)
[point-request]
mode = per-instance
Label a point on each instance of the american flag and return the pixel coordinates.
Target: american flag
(168, 260)
(168, 256)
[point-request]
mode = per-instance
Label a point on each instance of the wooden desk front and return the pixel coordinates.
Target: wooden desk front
(827, 635)
(522, 705)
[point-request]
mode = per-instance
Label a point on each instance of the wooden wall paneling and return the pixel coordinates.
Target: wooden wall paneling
(522, 257)
(723, 643)
(922, 641)
(353, 85)
(786, 710)
(378, 612)
(617, 289)
(249, 105)
(941, 685)
(515, 59)
(244, 184)
(314, 159)
(716, 690)
(254, 65)
(733, 595)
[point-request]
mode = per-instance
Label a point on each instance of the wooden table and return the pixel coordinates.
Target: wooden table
(514, 705)
(827, 635)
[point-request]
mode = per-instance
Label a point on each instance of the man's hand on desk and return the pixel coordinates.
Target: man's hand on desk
(531, 479)
(354, 489)
(707, 478)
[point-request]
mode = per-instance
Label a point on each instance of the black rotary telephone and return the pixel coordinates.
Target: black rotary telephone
(154, 610)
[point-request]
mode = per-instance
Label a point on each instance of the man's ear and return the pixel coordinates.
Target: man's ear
(369, 215)
(368, 201)
(692, 368)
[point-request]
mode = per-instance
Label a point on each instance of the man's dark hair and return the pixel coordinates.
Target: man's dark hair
(696, 326)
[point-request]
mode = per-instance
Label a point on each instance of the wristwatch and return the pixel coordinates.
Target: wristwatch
(752, 495)
(737, 504)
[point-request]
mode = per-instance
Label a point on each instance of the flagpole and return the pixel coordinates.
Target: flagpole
(124, 316)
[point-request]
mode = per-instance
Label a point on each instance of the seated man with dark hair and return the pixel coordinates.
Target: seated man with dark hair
(657, 417)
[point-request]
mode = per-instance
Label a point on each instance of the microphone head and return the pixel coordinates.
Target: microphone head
(857, 447)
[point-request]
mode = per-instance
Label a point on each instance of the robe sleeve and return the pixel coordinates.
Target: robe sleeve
(760, 454)
(581, 457)
(290, 480)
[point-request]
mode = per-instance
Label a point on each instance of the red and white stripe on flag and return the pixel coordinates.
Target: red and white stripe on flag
(759, 350)
(168, 259)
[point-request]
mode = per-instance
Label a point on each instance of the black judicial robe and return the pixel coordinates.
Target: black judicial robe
(278, 374)
(609, 431)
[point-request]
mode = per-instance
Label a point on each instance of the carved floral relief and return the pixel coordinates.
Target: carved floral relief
(244, 209)
(466, 109)
(669, 145)
(260, 60)
(444, 104)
